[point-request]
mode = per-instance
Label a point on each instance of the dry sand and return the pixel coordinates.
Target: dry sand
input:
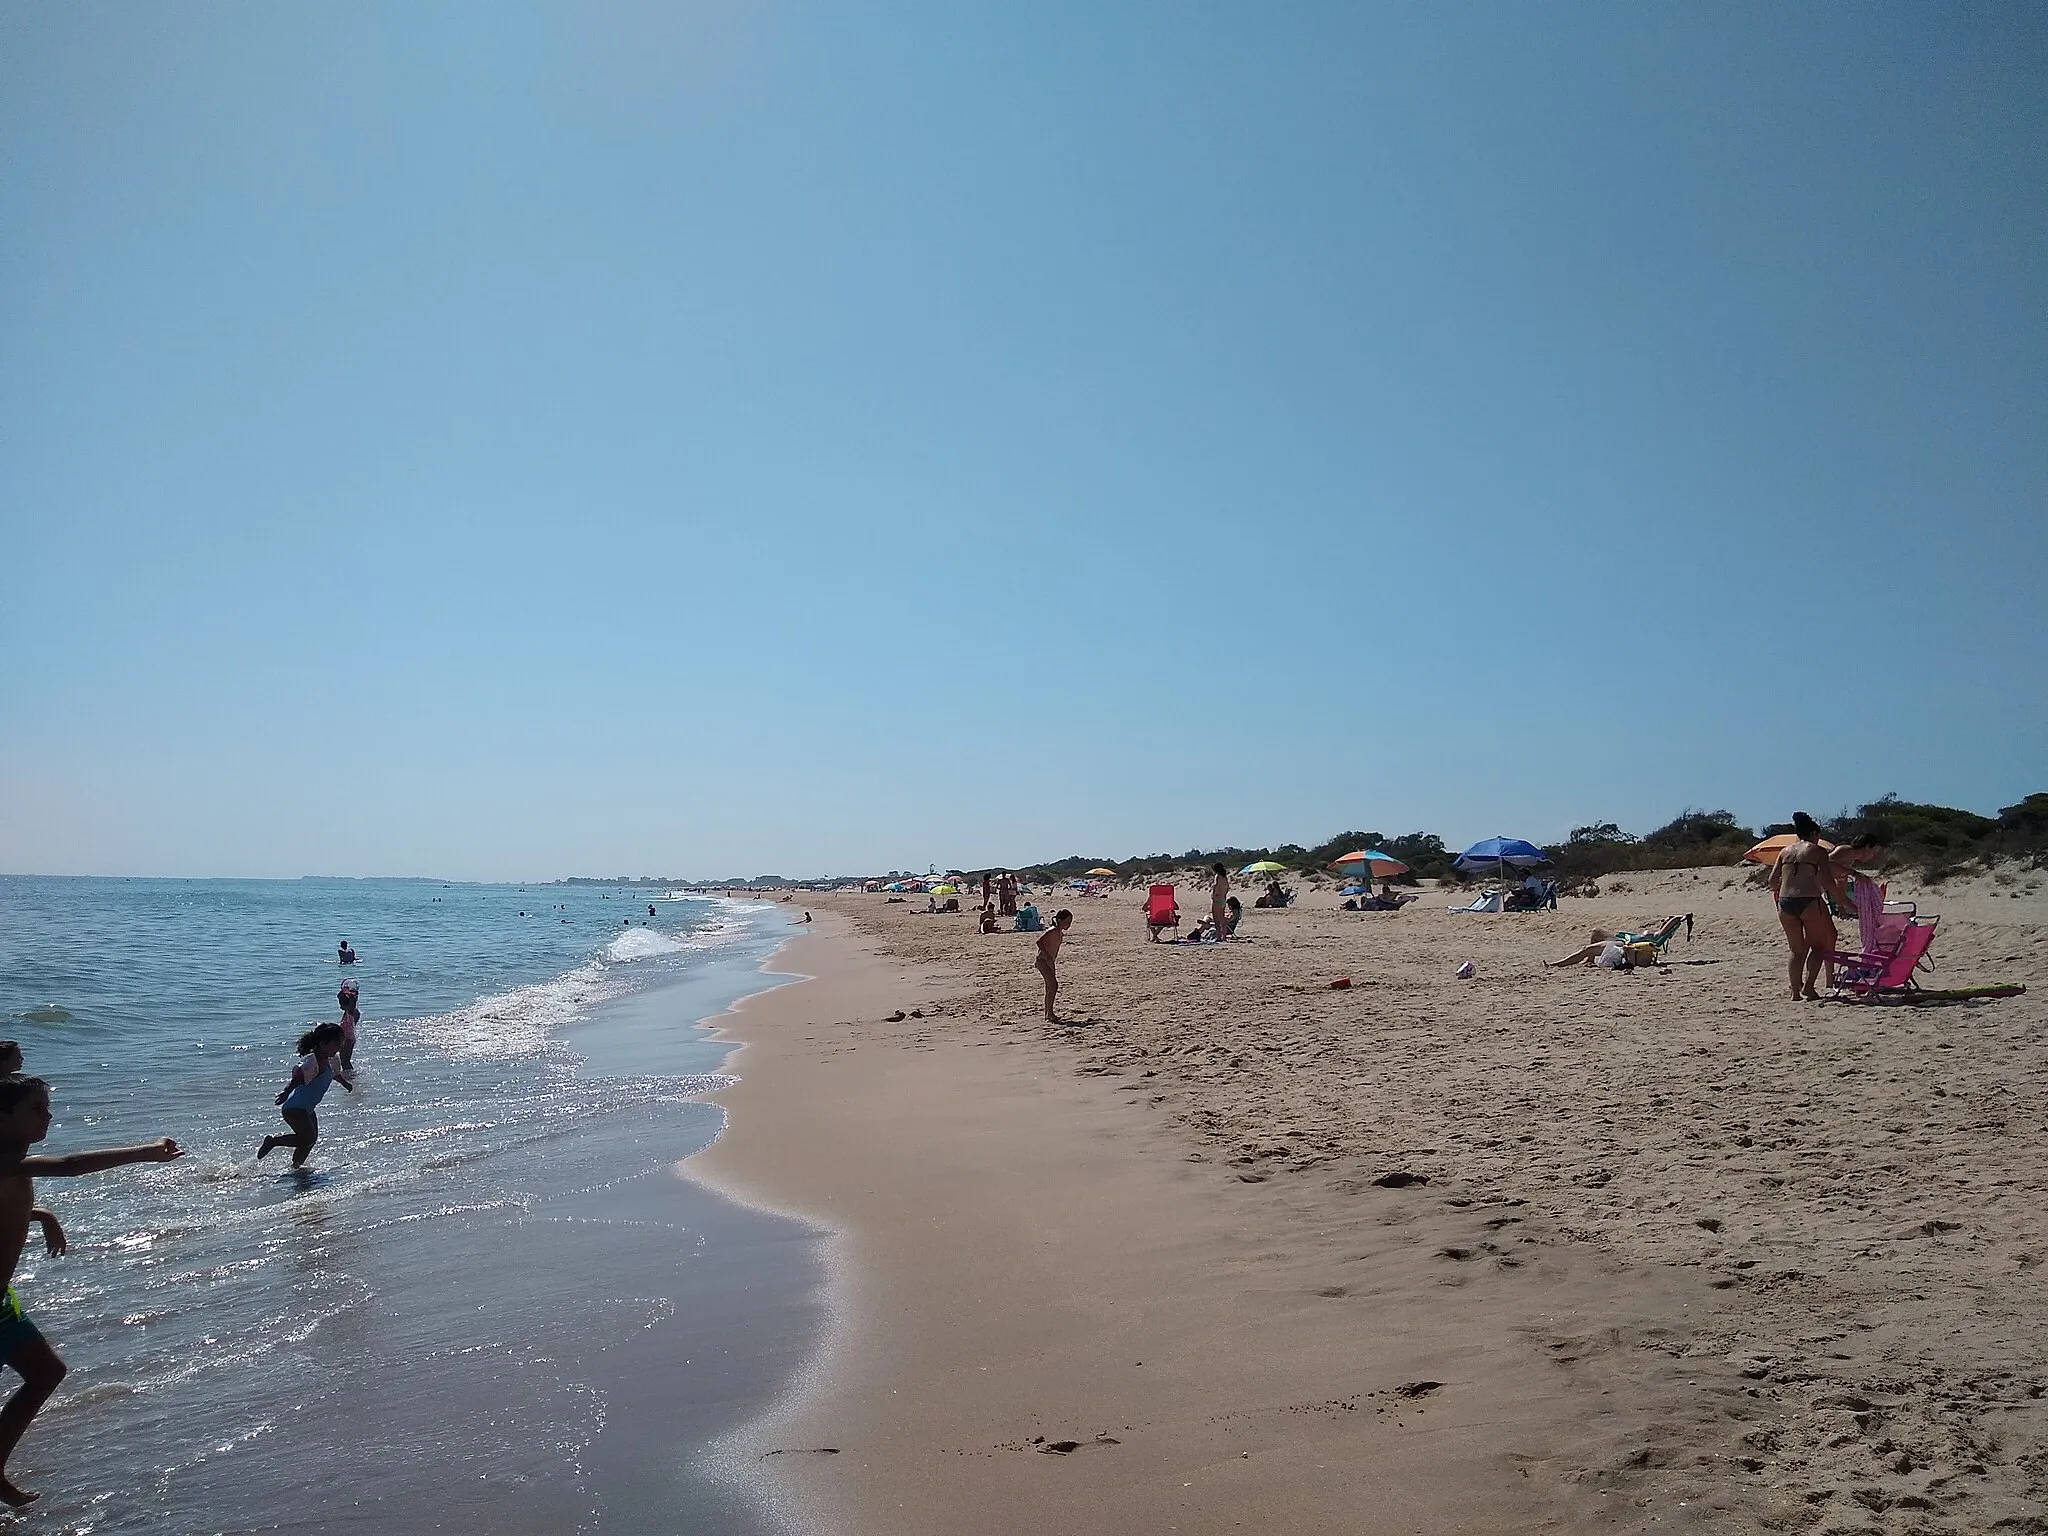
(1688, 1253)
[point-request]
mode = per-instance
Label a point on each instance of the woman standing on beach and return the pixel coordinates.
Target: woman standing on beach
(1219, 897)
(1800, 883)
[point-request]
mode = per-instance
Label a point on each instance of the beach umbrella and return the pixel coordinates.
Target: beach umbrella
(1375, 862)
(1103, 874)
(1263, 867)
(946, 890)
(1498, 853)
(1767, 851)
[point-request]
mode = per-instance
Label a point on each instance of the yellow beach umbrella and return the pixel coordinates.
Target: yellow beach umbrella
(945, 890)
(1105, 874)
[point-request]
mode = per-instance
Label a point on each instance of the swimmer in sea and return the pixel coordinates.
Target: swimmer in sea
(317, 1071)
(24, 1121)
(345, 955)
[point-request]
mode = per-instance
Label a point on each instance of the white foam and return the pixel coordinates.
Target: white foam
(526, 1021)
(645, 944)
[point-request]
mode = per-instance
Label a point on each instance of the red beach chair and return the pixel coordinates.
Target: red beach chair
(1161, 911)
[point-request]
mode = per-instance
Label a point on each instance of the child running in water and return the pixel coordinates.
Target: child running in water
(1047, 963)
(351, 1017)
(24, 1121)
(317, 1071)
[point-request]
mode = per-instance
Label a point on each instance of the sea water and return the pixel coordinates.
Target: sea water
(488, 1304)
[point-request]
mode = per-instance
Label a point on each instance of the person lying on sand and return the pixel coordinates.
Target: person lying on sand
(1600, 938)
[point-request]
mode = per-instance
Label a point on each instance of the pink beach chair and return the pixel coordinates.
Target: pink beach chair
(1161, 911)
(1903, 942)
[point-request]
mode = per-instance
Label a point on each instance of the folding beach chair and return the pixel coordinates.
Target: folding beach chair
(1161, 911)
(1889, 969)
(1658, 937)
(1489, 901)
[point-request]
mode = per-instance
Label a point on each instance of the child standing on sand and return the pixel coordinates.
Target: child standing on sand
(24, 1121)
(319, 1069)
(1047, 963)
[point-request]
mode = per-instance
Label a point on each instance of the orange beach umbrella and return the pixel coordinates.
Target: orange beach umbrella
(1767, 851)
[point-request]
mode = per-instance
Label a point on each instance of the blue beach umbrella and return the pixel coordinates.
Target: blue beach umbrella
(1498, 853)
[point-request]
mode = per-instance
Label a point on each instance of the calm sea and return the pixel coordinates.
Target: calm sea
(490, 1304)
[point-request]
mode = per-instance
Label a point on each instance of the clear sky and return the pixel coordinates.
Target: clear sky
(514, 440)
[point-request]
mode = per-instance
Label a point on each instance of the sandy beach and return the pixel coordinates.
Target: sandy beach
(1543, 1250)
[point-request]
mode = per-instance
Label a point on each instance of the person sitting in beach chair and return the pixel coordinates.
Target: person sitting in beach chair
(1236, 911)
(1161, 911)
(1028, 920)
(1274, 895)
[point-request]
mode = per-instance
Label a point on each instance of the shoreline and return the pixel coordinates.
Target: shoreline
(1551, 1333)
(1018, 1262)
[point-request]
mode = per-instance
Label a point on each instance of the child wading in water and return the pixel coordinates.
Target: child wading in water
(319, 1048)
(351, 1018)
(24, 1121)
(1048, 959)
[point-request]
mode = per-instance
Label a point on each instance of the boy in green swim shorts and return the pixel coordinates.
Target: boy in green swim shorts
(24, 1121)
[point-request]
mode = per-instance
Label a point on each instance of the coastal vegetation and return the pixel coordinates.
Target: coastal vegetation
(1939, 841)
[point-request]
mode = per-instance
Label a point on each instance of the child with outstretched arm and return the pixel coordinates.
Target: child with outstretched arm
(24, 1121)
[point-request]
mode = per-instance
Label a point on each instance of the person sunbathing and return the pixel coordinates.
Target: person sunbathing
(1599, 939)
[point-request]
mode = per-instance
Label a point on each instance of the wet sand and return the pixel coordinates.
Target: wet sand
(1687, 1254)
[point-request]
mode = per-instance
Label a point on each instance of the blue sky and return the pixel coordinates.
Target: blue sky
(512, 440)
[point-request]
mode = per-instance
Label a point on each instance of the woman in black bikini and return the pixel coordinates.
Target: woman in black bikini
(1800, 882)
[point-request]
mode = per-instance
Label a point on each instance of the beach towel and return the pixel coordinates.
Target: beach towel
(1868, 898)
